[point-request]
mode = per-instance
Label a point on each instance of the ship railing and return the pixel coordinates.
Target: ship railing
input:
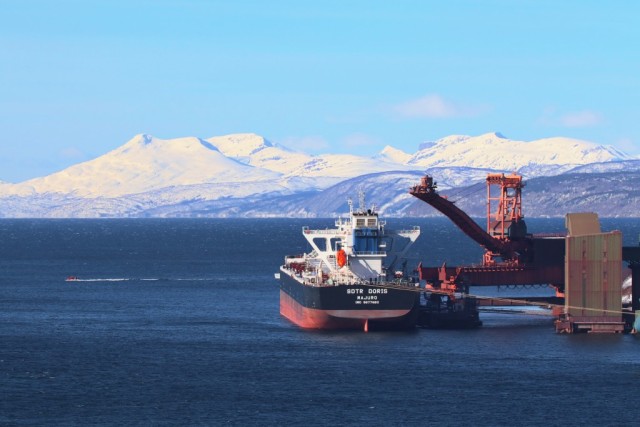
(364, 253)
(414, 229)
(307, 230)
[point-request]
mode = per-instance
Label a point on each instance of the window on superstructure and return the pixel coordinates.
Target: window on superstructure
(371, 222)
(336, 244)
(321, 243)
(360, 222)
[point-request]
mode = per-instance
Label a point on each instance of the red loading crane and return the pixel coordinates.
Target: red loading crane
(505, 228)
(512, 257)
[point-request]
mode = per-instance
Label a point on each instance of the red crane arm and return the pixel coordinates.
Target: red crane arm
(426, 191)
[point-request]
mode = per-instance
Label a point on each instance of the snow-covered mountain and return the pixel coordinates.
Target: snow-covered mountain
(610, 195)
(146, 164)
(607, 194)
(494, 151)
(394, 155)
(246, 175)
(254, 150)
(319, 171)
(626, 165)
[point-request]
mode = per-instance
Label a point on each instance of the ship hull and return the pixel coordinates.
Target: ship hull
(347, 306)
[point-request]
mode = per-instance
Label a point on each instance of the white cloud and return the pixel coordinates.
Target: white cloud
(434, 106)
(581, 119)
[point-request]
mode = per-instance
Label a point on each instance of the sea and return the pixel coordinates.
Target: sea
(176, 322)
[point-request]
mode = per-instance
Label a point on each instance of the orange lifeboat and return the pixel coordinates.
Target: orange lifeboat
(341, 258)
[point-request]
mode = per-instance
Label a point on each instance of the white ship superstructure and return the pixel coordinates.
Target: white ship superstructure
(359, 250)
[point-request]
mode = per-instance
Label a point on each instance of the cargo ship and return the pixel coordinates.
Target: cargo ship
(354, 277)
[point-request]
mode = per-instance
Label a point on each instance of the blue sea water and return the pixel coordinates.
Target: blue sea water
(176, 322)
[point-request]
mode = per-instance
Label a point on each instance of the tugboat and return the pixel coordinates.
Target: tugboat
(353, 278)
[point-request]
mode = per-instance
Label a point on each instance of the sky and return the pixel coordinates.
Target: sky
(80, 78)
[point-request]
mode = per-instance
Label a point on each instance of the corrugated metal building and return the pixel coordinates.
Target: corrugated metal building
(593, 277)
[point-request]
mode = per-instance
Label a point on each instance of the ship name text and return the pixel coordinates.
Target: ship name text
(370, 291)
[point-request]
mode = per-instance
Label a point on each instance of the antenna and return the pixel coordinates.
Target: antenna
(363, 207)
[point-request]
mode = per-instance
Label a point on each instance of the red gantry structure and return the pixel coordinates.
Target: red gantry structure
(512, 255)
(505, 223)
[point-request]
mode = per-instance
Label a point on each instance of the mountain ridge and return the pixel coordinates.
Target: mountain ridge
(153, 176)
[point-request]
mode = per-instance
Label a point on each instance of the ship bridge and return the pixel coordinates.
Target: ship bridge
(366, 233)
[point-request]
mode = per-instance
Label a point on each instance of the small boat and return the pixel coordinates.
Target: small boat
(72, 279)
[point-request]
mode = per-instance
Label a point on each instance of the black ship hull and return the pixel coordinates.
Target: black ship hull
(364, 307)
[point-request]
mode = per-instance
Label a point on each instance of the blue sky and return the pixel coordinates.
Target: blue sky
(80, 78)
